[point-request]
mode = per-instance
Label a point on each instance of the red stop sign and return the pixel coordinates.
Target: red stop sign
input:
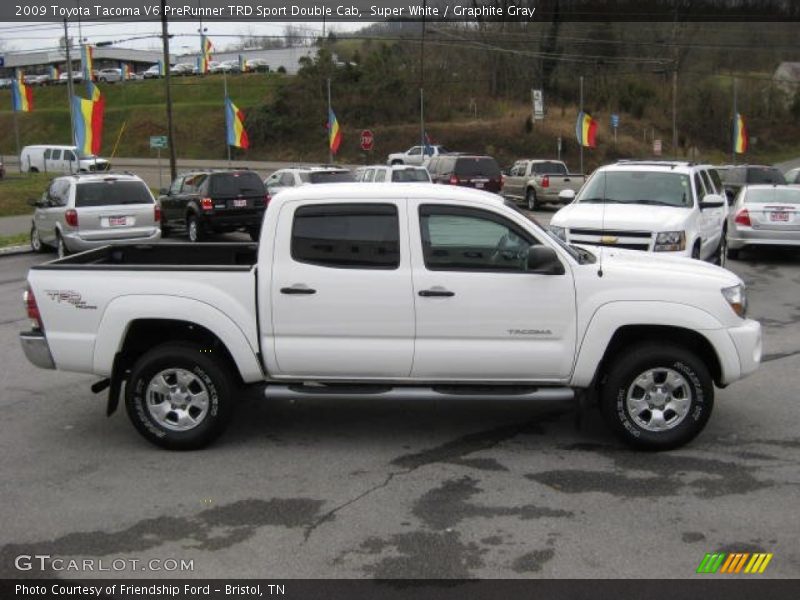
(367, 140)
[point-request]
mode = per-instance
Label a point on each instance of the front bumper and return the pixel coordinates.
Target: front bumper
(76, 243)
(747, 339)
(34, 345)
(232, 221)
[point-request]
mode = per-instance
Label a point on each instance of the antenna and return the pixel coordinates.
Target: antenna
(602, 229)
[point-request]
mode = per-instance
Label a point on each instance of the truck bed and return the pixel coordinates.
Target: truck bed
(161, 257)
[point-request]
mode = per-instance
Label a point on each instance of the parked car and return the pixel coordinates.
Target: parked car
(109, 75)
(537, 182)
(792, 177)
(231, 66)
(81, 212)
(364, 283)
(737, 176)
(152, 72)
(5, 83)
(181, 69)
(36, 79)
(416, 155)
(655, 206)
(77, 77)
(764, 215)
(392, 174)
(296, 176)
(59, 159)
(207, 202)
(257, 65)
(2, 170)
(470, 170)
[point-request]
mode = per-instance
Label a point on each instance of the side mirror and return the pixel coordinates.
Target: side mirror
(543, 260)
(711, 201)
(566, 196)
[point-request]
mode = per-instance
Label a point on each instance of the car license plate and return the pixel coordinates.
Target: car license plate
(117, 221)
(779, 216)
(239, 203)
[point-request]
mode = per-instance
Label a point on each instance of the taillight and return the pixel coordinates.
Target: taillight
(71, 217)
(743, 218)
(453, 180)
(157, 213)
(267, 200)
(207, 204)
(546, 181)
(32, 308)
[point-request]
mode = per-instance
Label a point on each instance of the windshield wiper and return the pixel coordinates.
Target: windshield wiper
(601, 201)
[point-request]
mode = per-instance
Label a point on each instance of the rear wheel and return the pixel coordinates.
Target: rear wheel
(36, 241)
(657, 396)
(196, 233)
(178, 397)
(530, 199)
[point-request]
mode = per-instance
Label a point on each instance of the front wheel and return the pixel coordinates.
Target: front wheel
(178, 397)
(657, 396)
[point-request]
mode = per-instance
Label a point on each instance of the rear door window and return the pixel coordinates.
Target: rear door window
(347, 236)
(56, 154)
(380, 175)
(111, 192)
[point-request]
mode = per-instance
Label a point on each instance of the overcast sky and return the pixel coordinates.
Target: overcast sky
(45, 36)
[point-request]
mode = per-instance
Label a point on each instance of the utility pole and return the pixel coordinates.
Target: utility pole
(675, 52)
(733, 128)
(580, 142)
(70, 90)
(422, 83)
(225, 105)
(173, 169)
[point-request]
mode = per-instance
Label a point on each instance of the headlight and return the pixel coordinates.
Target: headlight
(559, 232)
(670, 241)
(737, 298)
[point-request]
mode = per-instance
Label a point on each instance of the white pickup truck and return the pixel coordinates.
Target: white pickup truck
(402, 291)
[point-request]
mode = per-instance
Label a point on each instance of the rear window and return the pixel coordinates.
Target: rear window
(242, 183)
(112, 192)
(765, 175)
(781, 195)
(471, 167)
(549, 168)
(410, 175)
(330, 177)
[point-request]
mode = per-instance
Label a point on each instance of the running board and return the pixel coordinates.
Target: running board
(480, 393)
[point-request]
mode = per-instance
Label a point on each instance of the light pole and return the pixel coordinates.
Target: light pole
(173, 168)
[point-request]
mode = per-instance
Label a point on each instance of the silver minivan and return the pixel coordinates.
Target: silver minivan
(81, 212)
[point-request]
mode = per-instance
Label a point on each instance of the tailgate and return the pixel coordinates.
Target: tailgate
(96, 223)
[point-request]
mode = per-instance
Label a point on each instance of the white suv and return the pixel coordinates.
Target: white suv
(656, 206)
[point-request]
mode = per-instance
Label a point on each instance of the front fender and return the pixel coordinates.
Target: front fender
(610, 317)
(121, 312)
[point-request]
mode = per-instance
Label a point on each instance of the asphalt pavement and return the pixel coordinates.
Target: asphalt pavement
(368, 489)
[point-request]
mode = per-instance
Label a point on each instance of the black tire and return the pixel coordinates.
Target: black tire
(530, 199)
(194, 229)
(397, 162)
(61, 247)
(166, 231)
(622, 380)
(721, 255)
(219, 386)
(36, 242)
(33, 170)
(733, 253)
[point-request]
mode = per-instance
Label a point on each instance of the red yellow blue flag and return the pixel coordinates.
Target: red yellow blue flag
(21, 97)
(586, 130)
(234, 124)
(334, 132)
(87, 62)
(741, 140)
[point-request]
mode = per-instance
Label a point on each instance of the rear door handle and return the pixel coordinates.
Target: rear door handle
(436, 293)
(298, 289)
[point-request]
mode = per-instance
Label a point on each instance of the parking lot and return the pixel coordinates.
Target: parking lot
(359, 489)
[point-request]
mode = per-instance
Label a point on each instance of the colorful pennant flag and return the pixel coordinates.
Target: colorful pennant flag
(54, 73)
(87, 62)
(205, 54)
(242, 64)
(126, 72)
(88, 118)
(234, 124)
(741, 141)
(334, 132)
(21, 97)
(586, 130)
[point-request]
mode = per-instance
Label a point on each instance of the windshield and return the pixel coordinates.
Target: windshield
(778, 195)
(638, 187)
(410, 175)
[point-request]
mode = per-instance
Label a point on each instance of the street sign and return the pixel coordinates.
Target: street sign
(615, 121)
(657, 147)
(158, 141)
(538, 105)
(367, 140)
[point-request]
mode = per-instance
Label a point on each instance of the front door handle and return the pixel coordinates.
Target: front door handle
(436, 293)
(297, 289)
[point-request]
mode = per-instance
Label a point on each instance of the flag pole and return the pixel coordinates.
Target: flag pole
(225, 105)
(330, 150)
(581, 112)
(735, 123)
(70, 90)
(16, 137)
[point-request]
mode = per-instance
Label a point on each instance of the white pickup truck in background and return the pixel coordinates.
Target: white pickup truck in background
(408, 290)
